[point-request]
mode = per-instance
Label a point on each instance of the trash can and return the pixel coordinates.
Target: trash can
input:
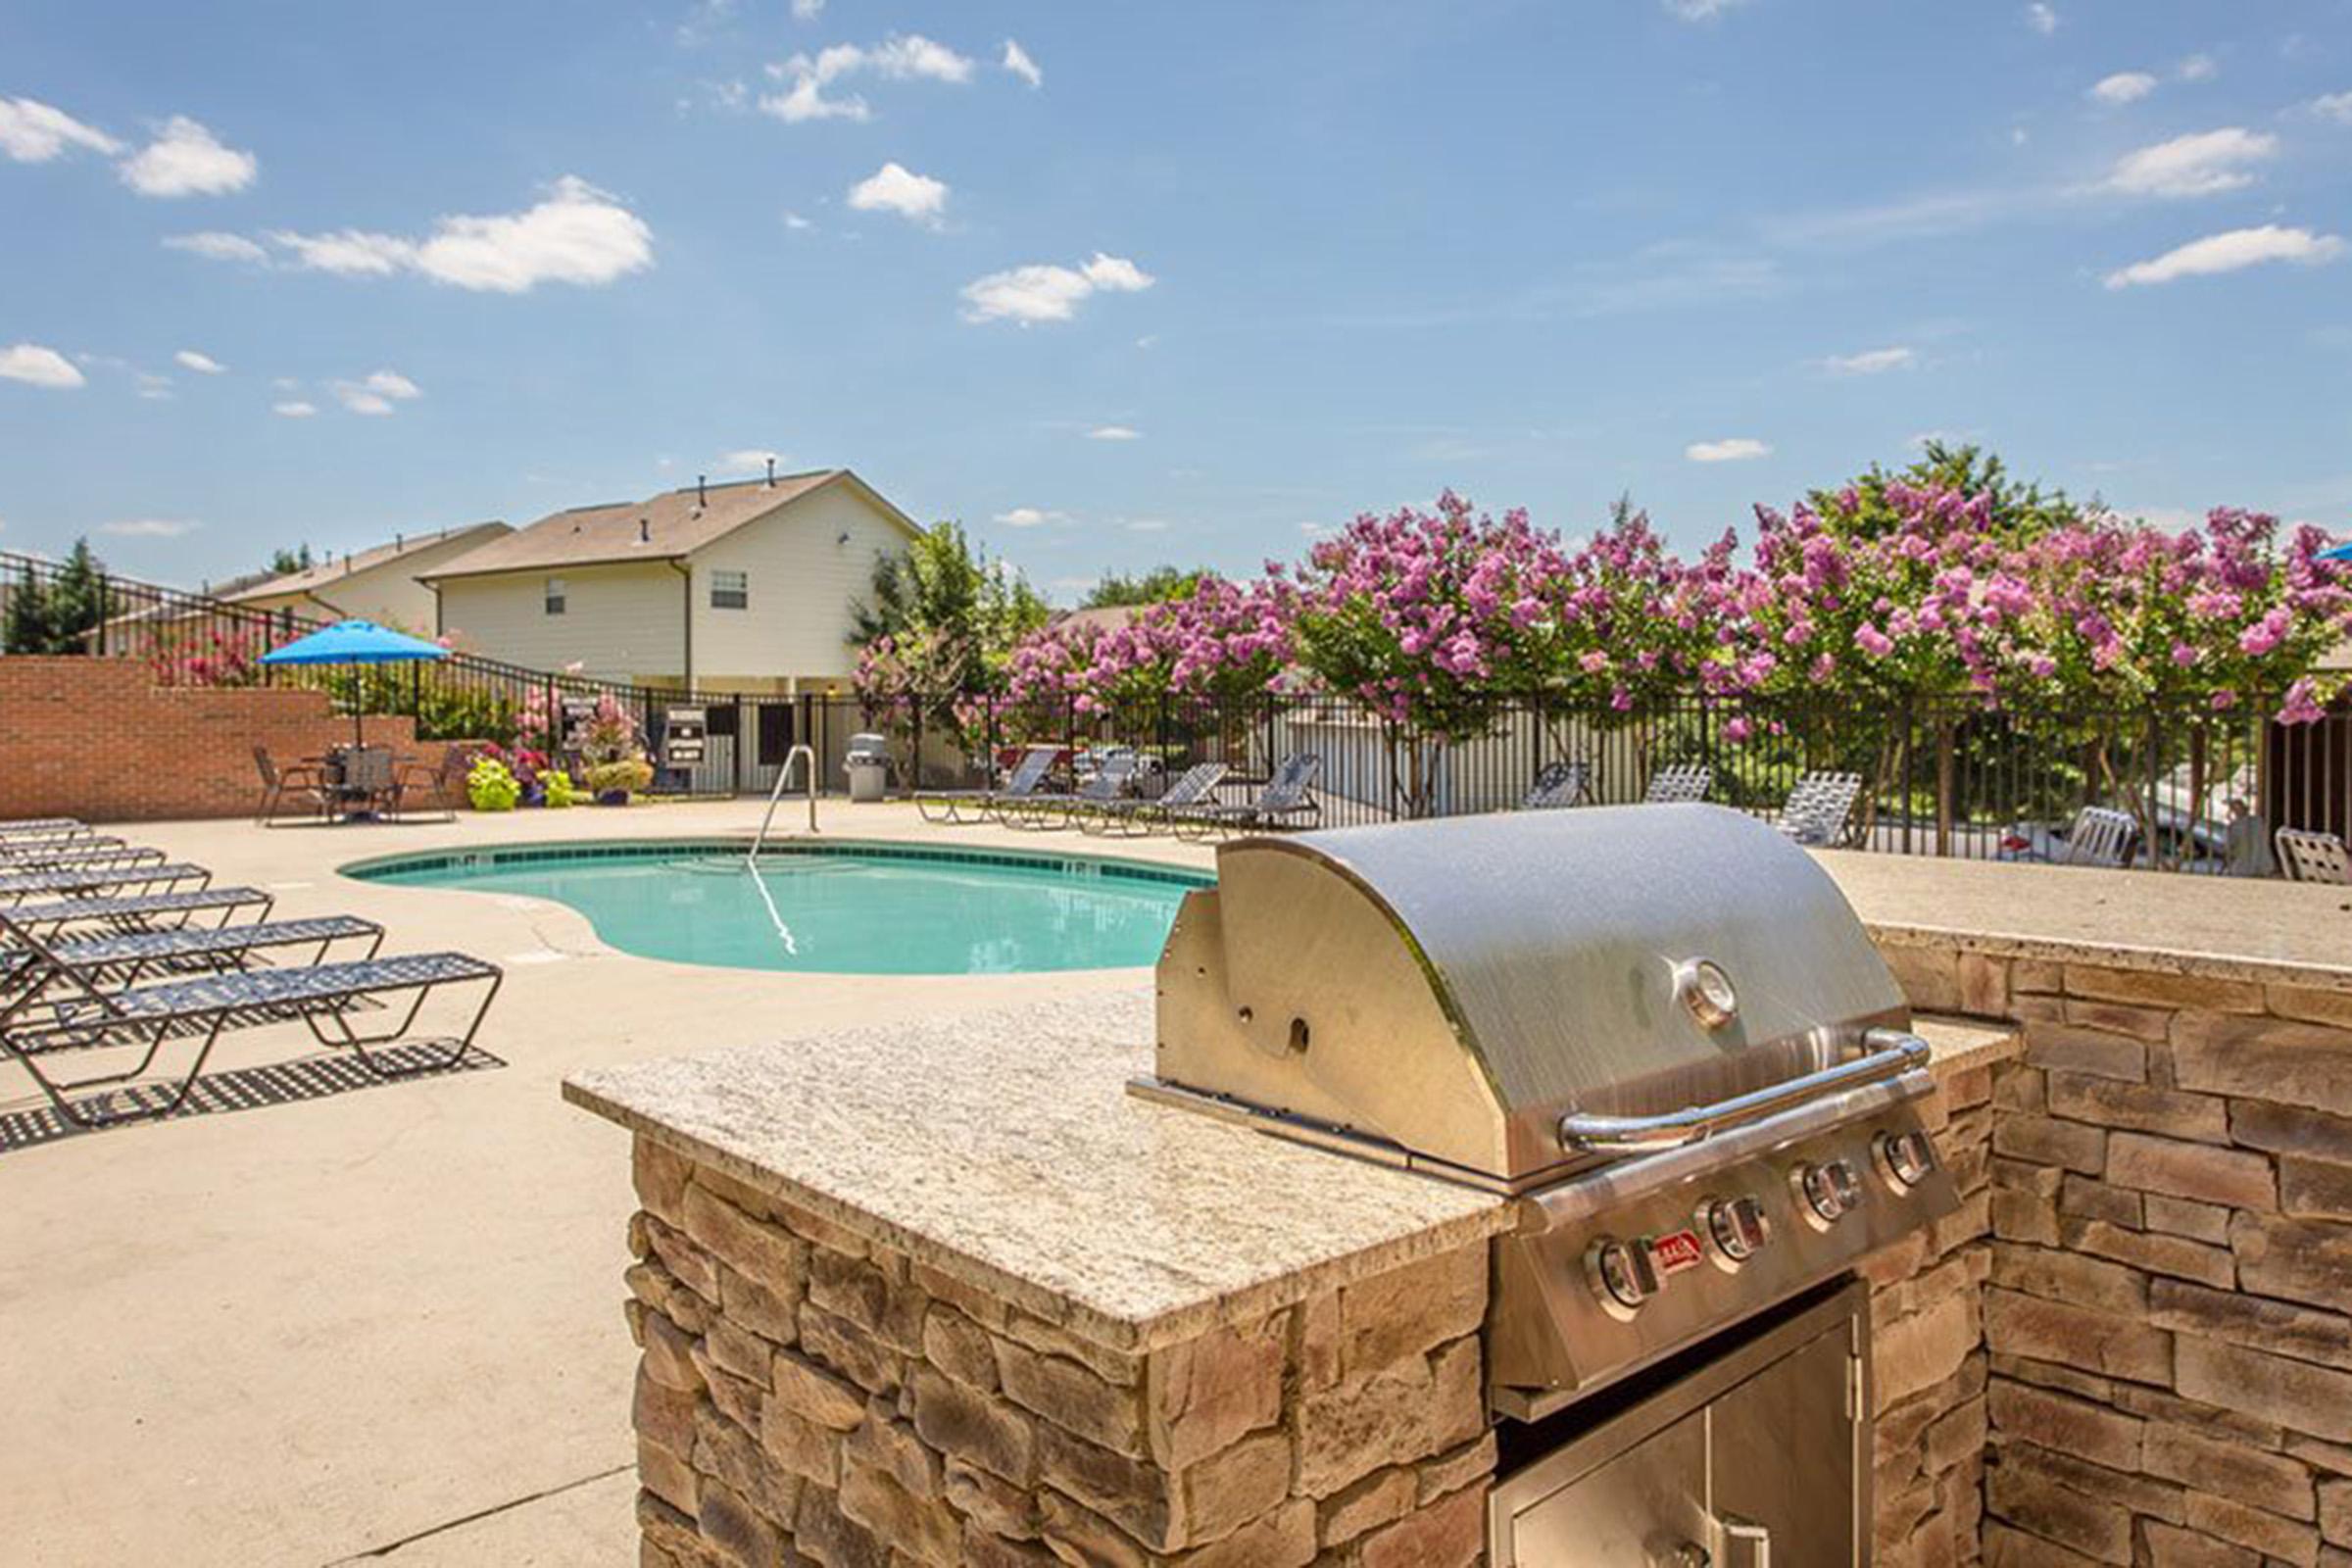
(867, 767)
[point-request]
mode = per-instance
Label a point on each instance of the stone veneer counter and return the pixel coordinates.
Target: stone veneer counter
(2217, 927)
(1002, 1148)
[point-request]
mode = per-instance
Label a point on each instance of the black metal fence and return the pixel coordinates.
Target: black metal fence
(1939, 776)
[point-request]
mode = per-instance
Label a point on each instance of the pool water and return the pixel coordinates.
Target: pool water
(847, 910)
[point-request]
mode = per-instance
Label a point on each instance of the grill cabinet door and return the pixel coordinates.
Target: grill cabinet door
(1782, 1456)
(1645, 1508)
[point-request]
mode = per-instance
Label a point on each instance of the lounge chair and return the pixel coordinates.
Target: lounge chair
(1288, 796)
(304, 781)
(42, 827)
(75, 854)
(324, 997)
(1026, 777)
(120, 958)
(1132, 814)
(18, 885)
(144, 911)
(2098, 836)
(1820, 808)
(1559, 783)
(1108, 783)
(1680, 782)
(2309, 856)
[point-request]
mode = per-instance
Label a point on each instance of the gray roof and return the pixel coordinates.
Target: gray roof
(352, 563)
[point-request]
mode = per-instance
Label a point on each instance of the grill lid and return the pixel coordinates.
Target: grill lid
(1453, 988)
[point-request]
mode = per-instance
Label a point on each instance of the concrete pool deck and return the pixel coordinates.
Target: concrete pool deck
(385, 1326)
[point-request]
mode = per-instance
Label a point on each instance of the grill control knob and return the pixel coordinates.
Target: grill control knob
(1738, 1226)
(1622, 1273)
(1907, 1158)
(1831, 1189)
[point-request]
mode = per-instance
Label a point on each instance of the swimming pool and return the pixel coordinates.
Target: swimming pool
(834, 908)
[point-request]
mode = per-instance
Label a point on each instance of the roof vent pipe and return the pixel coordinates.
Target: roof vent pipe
(771, 474)
(645, 531)
(702, 491)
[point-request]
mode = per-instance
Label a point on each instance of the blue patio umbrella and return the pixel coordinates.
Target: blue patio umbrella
(356, 642)
(2342, 552)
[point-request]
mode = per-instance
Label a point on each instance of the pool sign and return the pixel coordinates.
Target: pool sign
(682, 736)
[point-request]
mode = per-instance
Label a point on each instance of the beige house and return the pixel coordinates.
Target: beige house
(382, 584)
(726, 587)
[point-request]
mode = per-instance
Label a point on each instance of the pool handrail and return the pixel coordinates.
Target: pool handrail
(783, 778)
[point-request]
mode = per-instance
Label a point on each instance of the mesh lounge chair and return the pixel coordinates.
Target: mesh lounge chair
(1133, 814)
(2310, 856)
(1559, 783)
(1289, 796)
(1682, 781)
(1108, 783)
(121, 959)
(1820, 808)
(43, 827)
(75, 853)
(324, 997)
(306, 782)
(144, 911)
(1027, 775)
(2099, 835)
(18, 885)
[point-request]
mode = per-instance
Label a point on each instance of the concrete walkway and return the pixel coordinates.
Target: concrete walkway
(385, 1326)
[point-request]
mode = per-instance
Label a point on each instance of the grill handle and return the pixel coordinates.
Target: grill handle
(1890, 1052)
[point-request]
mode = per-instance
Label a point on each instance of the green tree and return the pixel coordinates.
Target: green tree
(947, 610)
(1158, 586)
(58, 615)
(285, 562)
(2021, 512)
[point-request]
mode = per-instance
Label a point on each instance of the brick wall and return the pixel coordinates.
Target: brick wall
(95, 738)
(2169, 1311)
(808, 1396)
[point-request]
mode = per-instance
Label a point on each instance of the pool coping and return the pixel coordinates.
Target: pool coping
(378, 869)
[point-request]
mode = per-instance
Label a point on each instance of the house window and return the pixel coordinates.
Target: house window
(555, 596)
(730, 590)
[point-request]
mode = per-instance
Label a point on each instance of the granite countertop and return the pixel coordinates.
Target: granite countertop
(1960, 1043)
(2293, 933)
(1003, 1148)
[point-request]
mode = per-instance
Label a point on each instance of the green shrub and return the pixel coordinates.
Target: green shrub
(492, 787)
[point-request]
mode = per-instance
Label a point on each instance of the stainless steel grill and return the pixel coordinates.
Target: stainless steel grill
(1659, 1029)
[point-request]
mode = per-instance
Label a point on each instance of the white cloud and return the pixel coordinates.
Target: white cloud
(808, 10)
(374, 394)
(1045, 292)
(201, 363)
(286, 383)
(2205, 163)
(392, 384)
(1735, 448)
(795, 221)
(1016, 59)
(217, 246)
(1870, 362)
(2199, 67)
(1028, 517)
(36, 365)
(2230, 252)
(578, 234)
(155, 388)
(1147, 525)
(150, 528)
(899, 58)
(896, 188)
(33, 133)
(749, 459)
(2125, 86)
(2042, 19)
(364, 402)
(1698, 10)
(1114, 432)
(2335, 106)
(186, 160)
(296, 410)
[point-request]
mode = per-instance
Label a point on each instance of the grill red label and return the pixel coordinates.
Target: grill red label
(1675, 1251)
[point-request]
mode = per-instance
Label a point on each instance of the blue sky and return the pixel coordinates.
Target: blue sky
(1171, 281)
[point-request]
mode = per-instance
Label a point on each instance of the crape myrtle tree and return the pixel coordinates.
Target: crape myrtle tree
(936, 633)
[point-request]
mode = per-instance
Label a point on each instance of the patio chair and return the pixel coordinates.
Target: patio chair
(1135, 815)
(2309, 856)
(43, 827)
(121, 959)
(444, 783)
(1026, 778)
(304, 781)
(145, 911)
(1111, 781)
(18, 885)
(324, 997)
(1820, 809)
(66, 853)
(1288, 796)
(1679, 782)
(2098, 836)
(1562, 782)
